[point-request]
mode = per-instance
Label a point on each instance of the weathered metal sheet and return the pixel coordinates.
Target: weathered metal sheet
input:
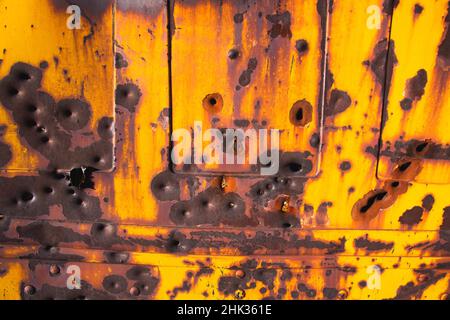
(262, 60)
(56, 86)
(285, 236)
(417, 103)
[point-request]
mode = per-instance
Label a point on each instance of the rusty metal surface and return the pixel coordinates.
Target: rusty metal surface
(86, 177)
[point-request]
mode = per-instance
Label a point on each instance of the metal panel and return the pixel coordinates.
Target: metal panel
(418, 102)
(245, 65)
(57, 85)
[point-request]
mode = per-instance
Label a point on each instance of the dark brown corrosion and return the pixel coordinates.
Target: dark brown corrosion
(389, 6)
(48, 127)
(5, 150)
(419, 149)
(130, 283)
(247, 276)
(192, 277)
(32, 196)
(444, 47)
(413, 290)
(246, 76)
(414, 215)
(120, 61)
(415, 88)
(379, 199)
(339, 101)
(372, 245)
(128, 96)
(211, 207)
(383, 62)
(281, 25)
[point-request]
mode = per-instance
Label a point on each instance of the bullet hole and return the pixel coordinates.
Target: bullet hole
(238, 18)
(301, 113)
(23, 76)
(134, 291)
(418, 9)
(43, 65)
(54, 270)
(29, 290)
(116, 257)
(301, 46)
(345, 165)
(114, 284)
(404, 166)
(421, 147)
(82, 178)
(73, 114)
(406, 104)
(233, 54)
(286, 225)
(213, 102)
(128, 96)
(165, 186)
(26, 196)
(295, 167)
(45, 139)
(371, 201)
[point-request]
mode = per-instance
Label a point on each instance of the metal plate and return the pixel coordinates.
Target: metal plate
(56, 85)
(417, 110)
(250, 65)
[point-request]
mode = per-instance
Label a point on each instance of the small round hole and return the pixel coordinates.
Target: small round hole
(295, 167)
(24, 76)
(213, 102)
(26, 196)
(286, 225)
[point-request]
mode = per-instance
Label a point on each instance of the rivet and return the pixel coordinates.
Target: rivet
(233, 54)
(54, 269)
(134, 291)
(239, 294)
(29, 290)
(342, 294)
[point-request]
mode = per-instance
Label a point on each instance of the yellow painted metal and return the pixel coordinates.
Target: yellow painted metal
(81, 64)
(417, 40)
(205, 34)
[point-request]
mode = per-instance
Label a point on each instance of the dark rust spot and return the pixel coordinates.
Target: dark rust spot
(128, 96)
(339, 102)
